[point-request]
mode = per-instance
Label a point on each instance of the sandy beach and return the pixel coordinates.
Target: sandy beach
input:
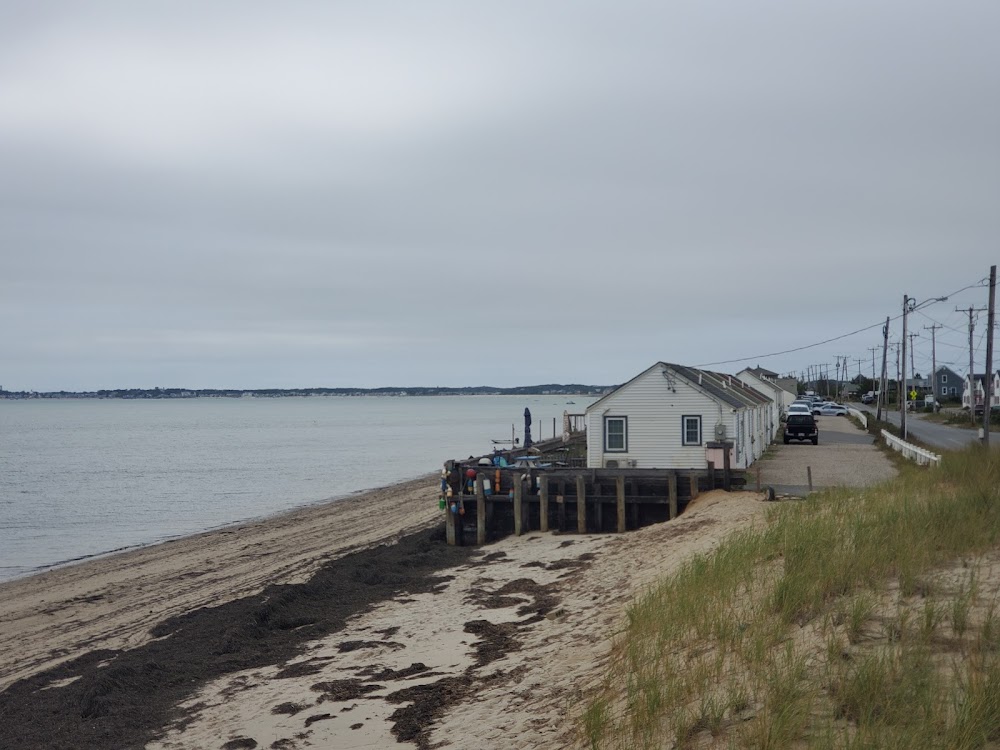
(308, 630)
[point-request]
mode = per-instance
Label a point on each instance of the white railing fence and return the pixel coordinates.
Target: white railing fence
(911, 452)
(859, 415)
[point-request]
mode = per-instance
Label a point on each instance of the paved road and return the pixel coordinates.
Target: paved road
(938, 435)
(845, 457)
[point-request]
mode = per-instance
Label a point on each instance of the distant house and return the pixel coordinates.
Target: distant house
(947, 383)
(978, 392)
(675, 417)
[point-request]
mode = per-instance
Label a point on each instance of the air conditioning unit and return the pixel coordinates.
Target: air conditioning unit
(610, 464)
(720, 432)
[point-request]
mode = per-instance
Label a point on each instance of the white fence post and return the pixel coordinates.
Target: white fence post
(859, 415)
(910, 451)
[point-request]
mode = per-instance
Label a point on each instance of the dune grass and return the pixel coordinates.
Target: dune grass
(854, 619)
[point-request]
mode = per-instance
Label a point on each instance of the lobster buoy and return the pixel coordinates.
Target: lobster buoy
(454, 507)
(470, 473)
(487, 487)
(441, 503)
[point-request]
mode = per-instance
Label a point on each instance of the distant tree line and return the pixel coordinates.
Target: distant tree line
(574, 389)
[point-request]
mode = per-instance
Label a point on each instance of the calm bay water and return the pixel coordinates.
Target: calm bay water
(85, 477)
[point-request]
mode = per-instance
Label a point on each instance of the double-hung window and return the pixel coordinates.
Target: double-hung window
(691, 430)
(616, 434)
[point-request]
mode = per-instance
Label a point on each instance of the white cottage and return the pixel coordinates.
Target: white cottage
(673, 417)
(780, 397)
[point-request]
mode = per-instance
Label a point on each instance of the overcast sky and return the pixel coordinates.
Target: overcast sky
(253, 194)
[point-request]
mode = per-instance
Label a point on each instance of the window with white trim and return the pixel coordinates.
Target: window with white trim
(691, 430)
(615, 434)
(944, 377)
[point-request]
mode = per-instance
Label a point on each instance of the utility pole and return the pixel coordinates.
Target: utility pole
(972, 378)
(932, 329)
(902, 388)
(988, 380)
(882, 388)
(913, 367)
(899, 387)
(873, 349)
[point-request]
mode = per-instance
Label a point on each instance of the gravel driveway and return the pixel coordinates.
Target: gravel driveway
(845, 457)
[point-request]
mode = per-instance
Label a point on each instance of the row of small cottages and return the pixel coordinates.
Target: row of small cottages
(676, 417)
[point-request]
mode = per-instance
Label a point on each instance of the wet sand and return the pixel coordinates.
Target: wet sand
(308, 630)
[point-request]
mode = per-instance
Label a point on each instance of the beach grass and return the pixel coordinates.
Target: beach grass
(854, 619)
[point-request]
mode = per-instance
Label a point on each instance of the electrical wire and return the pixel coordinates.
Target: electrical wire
(831, 340)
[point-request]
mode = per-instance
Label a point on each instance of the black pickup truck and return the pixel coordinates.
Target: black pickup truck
(801, 427)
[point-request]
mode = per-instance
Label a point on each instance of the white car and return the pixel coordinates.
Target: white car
(832, 410)
(799, 409)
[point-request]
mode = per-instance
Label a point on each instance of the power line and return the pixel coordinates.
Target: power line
(826, 341)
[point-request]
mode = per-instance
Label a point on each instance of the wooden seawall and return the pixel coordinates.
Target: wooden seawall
(484, 503)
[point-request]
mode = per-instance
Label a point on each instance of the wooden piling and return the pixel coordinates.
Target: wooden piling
(711, 475)
(695, 489)
(598, 508)
(620, 491)
(727, 469)
(518, 515)
(480, 511)
(581, 505)
(672, 494)
(561, 512)
(449, 522)
(809, 476)
(543, 503)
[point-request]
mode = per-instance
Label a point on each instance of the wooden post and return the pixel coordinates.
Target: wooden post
(620, 491)
(598, 509)
(543, 502)
(449, 521)
(711, 475)
(518, 516)
(672, 494)
(695, 489)
(561, 506)
(809, 476)
(480, 511)
(581, 505)
(726, 468)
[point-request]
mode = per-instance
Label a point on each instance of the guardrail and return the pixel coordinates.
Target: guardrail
(910, 451)
(858, 415)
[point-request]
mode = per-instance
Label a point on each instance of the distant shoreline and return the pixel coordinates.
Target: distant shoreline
(396, 392)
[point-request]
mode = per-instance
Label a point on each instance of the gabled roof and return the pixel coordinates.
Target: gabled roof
(725, 388)
(758, 370)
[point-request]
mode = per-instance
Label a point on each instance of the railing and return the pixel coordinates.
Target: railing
(858, 415)
(910, 451)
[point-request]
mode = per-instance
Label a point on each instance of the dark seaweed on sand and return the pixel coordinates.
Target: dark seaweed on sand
(124, 699)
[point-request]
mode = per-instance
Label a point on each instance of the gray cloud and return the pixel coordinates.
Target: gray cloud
(246, 195)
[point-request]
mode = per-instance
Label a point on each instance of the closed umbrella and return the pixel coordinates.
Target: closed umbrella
(527, 427)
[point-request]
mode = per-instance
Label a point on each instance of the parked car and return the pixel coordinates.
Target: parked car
(801, 427)
(799, 409)
(868, 398)
(833, 410)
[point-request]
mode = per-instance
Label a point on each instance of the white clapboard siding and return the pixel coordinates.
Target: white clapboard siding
(654, 407)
